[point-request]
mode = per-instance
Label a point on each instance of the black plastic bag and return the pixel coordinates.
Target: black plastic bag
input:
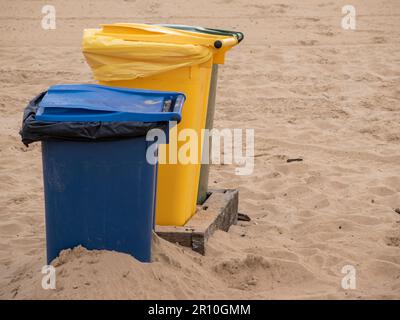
(33, 130)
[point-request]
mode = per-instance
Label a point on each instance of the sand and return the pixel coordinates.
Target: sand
(309, 89)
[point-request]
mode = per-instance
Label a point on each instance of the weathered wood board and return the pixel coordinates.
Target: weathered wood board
(218, 212)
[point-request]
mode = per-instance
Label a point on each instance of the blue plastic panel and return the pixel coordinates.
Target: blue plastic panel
(90, 102)
(99, 195)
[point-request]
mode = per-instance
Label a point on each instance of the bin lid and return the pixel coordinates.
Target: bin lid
(91, 102)
(224, 40)
(219, 40)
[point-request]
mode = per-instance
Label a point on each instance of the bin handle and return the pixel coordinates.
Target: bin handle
(237, 37)
(218, 44)
(237, 34)
(179, 101)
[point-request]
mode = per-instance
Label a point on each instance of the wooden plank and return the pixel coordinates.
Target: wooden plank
(218, 212)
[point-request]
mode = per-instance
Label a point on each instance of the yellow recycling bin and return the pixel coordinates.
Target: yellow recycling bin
(159, 58)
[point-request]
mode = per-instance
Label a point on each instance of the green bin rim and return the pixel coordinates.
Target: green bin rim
(238, 35)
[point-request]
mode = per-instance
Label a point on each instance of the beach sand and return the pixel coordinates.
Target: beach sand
(307, 87)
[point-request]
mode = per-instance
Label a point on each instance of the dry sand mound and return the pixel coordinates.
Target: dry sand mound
(175, 273)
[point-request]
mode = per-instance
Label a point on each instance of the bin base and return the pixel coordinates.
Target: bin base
(218, 212)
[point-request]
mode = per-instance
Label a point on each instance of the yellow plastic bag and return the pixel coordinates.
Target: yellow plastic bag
(113, 59)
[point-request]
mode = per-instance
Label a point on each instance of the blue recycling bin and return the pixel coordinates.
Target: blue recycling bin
(101, 194)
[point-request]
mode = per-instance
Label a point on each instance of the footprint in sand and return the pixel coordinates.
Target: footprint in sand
(327, 34)
(381, 191)
(10, 229)
(255, 272)
(378, 40)
(308, 42)
(393, 241)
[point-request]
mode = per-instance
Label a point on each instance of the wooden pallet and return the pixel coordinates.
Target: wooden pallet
(218, 212)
